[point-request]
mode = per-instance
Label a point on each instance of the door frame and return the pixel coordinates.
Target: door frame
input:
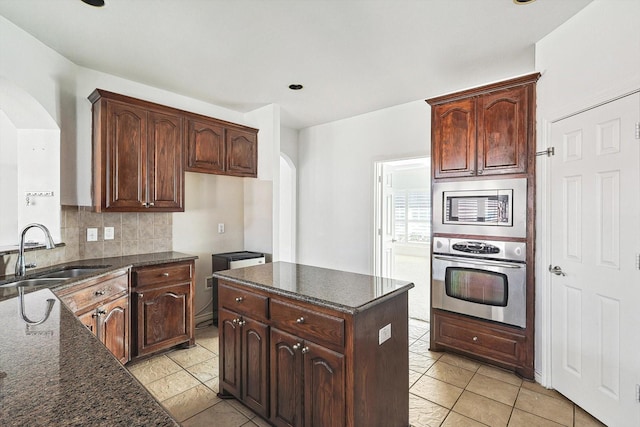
(543, 371)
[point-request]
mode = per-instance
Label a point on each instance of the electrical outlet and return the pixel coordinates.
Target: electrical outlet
(92, 234)
(208, 282)
(384, 334)
(108, 233)
(220, 228)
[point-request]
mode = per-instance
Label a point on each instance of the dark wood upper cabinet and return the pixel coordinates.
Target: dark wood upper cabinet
(484, 131)
(137, 155)
(221, 148)
(142, 149)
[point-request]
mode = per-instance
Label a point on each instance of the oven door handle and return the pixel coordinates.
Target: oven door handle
(480, 263)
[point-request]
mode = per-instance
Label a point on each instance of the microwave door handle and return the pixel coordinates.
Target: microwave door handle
(481, 263)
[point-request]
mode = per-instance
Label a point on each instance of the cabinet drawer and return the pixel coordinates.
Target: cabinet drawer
(243, 302)
(95, 293)
(306, 324)
(476, 338)
(161, 274)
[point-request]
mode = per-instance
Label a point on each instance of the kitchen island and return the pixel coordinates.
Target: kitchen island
(313, 346)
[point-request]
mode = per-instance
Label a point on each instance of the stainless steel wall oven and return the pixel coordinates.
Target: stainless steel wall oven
(485, 279)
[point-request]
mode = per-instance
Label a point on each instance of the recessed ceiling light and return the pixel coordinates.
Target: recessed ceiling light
(295, 87)
(96, 3)
(523, 1)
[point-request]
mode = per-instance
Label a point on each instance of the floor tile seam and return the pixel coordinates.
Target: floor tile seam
(432, 402)
(466, 416)
(161, 378)
(495, 379)
(512, 407)
(461, 367)
(177, 394)
(198, 413)
(573, 413)
(194, 364)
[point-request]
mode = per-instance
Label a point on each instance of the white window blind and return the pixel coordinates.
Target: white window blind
(412, 214)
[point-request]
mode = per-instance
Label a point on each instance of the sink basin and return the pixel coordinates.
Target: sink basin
(70, 272)
(33, 283)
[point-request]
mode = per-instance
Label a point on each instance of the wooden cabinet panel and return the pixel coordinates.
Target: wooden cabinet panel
(164, 162)
(241, 153)
(162, 274)
(95, 292)
(230, 355)
(454, 128)
(205, 146)
(124, 162)
(502, 131)
(113, 328)
(243, 302)
(307, 324)
(286, 380)
(324, 386)
(163, 317)
(255, 368)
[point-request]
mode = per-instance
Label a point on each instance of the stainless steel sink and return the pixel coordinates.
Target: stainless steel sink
(70, 272)
(33, 283)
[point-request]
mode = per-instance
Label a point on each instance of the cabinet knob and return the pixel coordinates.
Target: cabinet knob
(140, 295)
(239, 299)
(300, 320)
(165, 274)
(475, 339)
(241, 323)
(152, 204)
(297, 346)
(305, 350)
(145, 204)
(99, 293)
(480, 172)
(471, 173)
(234, 321)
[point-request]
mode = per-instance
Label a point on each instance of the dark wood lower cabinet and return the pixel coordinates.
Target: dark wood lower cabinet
(163, 303)
(113, 327)
(305, 365)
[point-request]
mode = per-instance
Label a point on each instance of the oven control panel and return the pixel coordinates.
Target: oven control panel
(496, 249)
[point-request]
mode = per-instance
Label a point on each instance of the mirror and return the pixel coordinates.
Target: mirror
(29, 166)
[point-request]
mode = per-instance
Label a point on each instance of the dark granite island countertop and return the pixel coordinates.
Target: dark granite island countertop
(58, 373)
(338, 290)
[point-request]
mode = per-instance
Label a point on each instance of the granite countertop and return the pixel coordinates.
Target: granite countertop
(339, 290)
(102, 265)
(58, 373)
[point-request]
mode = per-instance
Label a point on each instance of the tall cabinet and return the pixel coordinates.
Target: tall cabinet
(488, 131)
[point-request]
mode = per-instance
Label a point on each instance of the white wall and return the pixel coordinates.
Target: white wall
(592, 58)
(336, 181)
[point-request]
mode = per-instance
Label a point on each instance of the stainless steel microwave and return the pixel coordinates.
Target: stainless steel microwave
(495, 207)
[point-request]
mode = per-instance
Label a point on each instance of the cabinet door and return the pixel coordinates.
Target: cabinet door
(123, 162)
(230, 356)
(242, 153)
(205, 147)
(114, 327)
(89, 320)
(502, 131)
(454, 138)
(164, 162)
(324, 387)
(163, 317)
(286, 379)
(255, 373)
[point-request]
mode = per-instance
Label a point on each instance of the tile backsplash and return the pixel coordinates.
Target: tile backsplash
(134, 233)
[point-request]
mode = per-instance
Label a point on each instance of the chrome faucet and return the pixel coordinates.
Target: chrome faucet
(21, 267)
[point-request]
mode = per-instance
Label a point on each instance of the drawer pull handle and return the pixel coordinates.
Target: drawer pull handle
(300, 320)
(99, 293)
(297, 346)
(305, 350)
(241, 323)
(239, 299)
(165, 274)
(475, 339)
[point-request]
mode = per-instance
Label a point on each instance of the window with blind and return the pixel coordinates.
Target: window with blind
(412, 214)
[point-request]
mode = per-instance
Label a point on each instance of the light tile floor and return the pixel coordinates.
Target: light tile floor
(445, 390)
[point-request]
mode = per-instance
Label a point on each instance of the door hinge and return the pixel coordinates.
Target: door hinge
(637, 261)
(637, 392)
(551, 151)
(638, 130)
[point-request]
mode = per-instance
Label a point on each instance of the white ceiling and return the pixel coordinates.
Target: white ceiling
(352, 56)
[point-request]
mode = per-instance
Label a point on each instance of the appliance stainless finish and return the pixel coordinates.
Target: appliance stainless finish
(485, 279)
(494, 208)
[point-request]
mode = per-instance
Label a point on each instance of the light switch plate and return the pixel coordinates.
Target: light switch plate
(221, 228)
(92, 234)
(384, 334)
(108, 233)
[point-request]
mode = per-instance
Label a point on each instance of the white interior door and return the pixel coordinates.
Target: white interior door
(595, 223)
(387, 230)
